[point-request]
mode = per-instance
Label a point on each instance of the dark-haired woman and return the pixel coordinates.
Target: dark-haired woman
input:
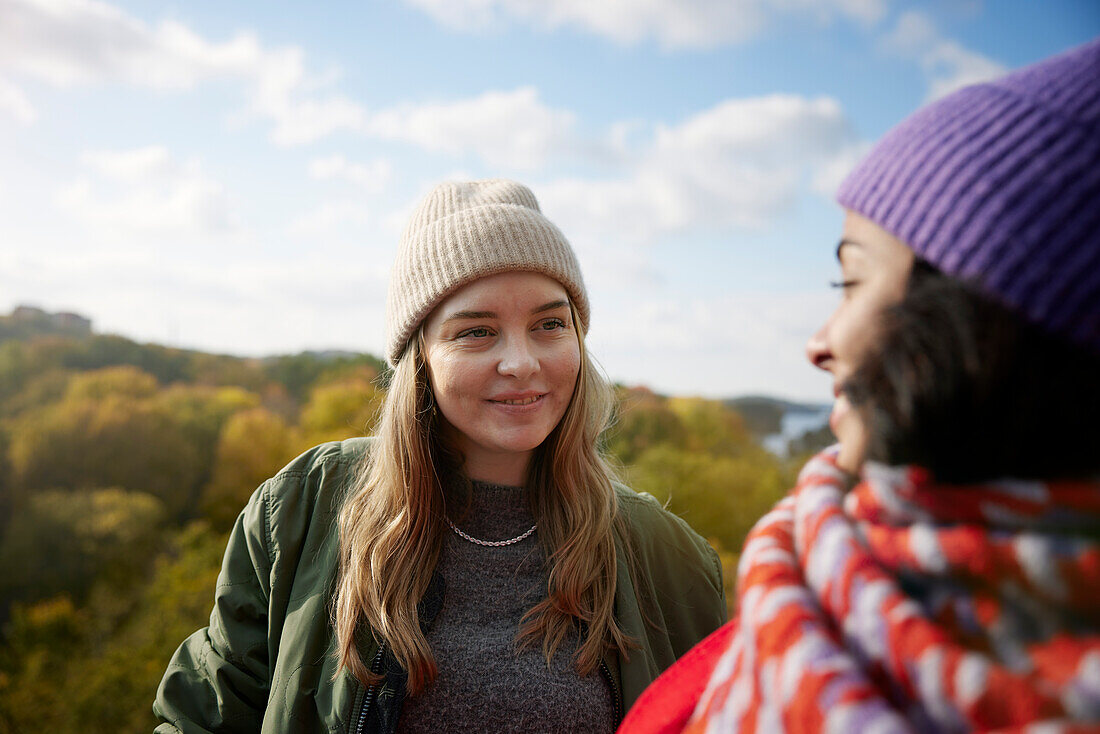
(939, 570)
(474, 567)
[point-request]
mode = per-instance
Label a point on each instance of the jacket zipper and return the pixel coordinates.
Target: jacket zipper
(616, 696)
(376, 668)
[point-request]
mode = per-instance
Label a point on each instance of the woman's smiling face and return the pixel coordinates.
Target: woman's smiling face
(503, 356)
(875, 268)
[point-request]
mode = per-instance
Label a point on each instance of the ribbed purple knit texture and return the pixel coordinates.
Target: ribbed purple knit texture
(999, 183)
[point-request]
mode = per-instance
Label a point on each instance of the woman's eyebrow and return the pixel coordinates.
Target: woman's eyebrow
(460, 315)
(550, 306)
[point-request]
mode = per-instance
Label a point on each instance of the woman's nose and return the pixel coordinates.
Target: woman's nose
(518, 359)
(817, 348)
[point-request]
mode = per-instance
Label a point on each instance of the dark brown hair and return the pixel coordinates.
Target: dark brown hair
(967, 388)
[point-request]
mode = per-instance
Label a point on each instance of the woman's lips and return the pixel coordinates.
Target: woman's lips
(519, 401)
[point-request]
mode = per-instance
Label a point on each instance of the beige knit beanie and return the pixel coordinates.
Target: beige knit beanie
(463, 231)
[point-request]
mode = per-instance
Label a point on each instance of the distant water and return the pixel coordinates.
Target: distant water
(795, 424)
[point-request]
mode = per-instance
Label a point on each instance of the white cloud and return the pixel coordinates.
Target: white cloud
(15, 103)
(954, 67)
(505, 128)
(740, 164)
(146, 190)
(946, 63)
(344, 216)
(371, 177)
(340, 216)
(724, 345)
(672, 23)
(69, 42)
(300, 122)
(831, 173)
(132, 166)
(85, 42)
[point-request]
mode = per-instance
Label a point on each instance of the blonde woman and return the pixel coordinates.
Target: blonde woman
(473, 567)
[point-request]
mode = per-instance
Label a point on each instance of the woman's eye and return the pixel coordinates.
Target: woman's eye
(552, 324)
(478, 332)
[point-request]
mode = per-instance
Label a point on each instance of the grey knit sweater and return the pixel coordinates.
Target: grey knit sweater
(484, 684)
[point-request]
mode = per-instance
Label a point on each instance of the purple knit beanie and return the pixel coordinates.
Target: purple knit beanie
(999, 183)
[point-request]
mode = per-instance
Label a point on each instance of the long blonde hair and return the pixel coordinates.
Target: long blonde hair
(391, 528)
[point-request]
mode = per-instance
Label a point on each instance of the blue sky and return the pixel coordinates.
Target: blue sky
(234, 177)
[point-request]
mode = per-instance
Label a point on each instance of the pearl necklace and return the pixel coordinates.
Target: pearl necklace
(490, 543)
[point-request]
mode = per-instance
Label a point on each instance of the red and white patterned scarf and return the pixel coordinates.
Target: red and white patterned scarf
(906, 606)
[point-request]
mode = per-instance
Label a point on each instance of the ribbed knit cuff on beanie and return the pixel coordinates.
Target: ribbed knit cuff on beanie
(999, 183)
(463, 231)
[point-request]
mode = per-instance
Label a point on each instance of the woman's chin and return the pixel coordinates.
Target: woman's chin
(852, 436)
(850, 458)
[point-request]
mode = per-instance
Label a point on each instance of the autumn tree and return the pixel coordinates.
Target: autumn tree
(63, 542)
(643, 420)
(94, 668)
(107, 431)
(342, 408)
(252, 446)
(711, 427)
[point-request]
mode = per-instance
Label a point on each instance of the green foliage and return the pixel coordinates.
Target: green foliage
(253, 445)
(7, 496)
(164, 363)
(95, 669)
(61, 542)
(644, 420)
(299, 372)
(720, 496)
(38, 390)
(130, 660)
(31, 373)
(712, 428)
(123, 381)
(220, 370)
(204, 409)
(40, 639)
(341, 408)
(14, 369)
(201, 412)
(112, 440)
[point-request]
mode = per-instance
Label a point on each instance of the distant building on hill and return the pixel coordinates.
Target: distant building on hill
(28, 313)
(32, 318)
(72, 322)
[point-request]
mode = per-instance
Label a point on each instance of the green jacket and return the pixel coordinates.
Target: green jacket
(266, 663)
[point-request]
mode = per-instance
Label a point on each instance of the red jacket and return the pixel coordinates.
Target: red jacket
(667, 704)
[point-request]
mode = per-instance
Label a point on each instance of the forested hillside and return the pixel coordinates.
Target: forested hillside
(122, 466)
